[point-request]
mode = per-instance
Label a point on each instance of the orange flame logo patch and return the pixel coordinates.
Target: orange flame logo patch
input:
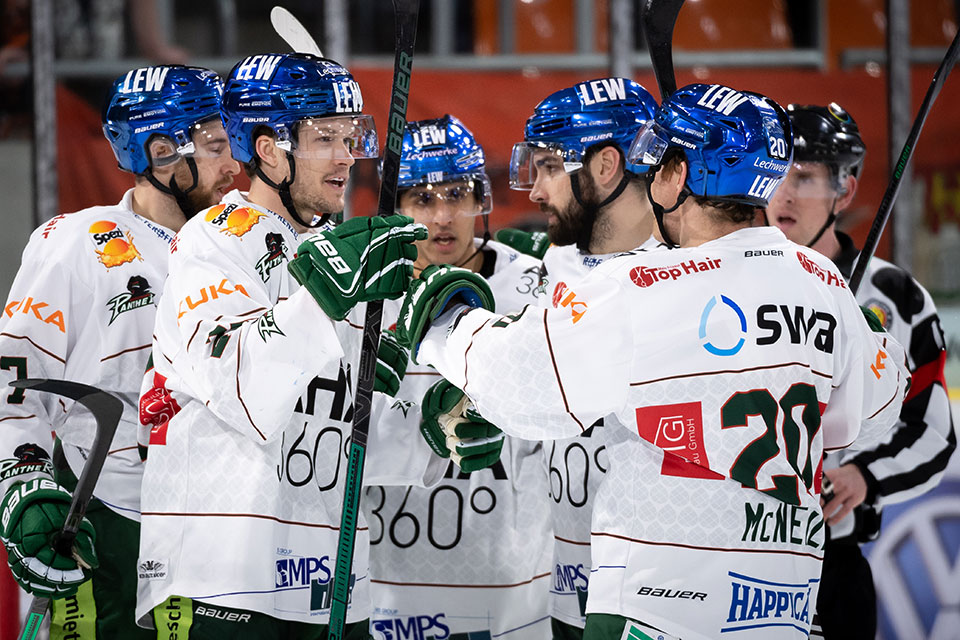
(114, 246)
(233, 220)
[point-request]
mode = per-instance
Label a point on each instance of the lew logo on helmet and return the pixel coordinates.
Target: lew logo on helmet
(721, 99)
(143, 79)
(429, 135)
(603, 90)
(258, 67)
(763, 187)
(348, 96)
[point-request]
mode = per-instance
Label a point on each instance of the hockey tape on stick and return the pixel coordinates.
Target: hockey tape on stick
(293, 32)
(106, 410)
(658, 18)
(886, 205)
(405, 20)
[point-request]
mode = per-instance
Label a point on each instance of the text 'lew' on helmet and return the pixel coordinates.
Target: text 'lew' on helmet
(570, 121)
(737, 144)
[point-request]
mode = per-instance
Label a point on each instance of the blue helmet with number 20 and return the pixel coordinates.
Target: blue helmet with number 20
(570, 121)
(738, 144)
(291, 91)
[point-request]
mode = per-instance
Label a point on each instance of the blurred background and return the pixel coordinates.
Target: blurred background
(489, 62)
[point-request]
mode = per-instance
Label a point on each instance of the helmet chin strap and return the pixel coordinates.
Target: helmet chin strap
(173, 189)
(283, 190)
(486, 238)
(659, 211)
(591, 210)
(831, 218)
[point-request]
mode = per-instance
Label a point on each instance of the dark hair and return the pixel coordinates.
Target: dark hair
(726, 210)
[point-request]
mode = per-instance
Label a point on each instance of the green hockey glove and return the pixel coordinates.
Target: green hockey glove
(361, 260)
(872, 320)
(392, 360)
(532, 243)
(454, 429)
(431, 294)
(33, 513)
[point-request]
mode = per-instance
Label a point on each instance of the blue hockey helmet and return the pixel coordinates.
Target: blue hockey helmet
(282, 91)
(444, 150)
(738, 145)
(162, 100)
(570, 121)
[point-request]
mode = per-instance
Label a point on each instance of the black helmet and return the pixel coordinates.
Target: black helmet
(828, 135)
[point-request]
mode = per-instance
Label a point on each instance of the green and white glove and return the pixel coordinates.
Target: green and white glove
(392, 360)
(437, 288)
(531, 243)
(454, 429)
(361, 260)
(33, 512)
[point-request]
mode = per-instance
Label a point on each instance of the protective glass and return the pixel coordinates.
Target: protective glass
(207, 139)
(648, 146)
(808, 182)
(459, 196)
(530, 159)
(334, 138)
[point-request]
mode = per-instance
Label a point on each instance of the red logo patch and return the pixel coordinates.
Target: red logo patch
(157, 406)
(678, 430)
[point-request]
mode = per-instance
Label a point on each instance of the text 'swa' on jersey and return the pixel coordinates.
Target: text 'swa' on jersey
(575, 466)
(82, 308)
(737, 363)
(913, 456)
(250, 403)
(471, 554)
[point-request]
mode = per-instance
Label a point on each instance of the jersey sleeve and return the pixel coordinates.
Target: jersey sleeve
(246, 356)
(397, 453)
(913, 458)
(870, 384)
(38, 331)
(540, 374)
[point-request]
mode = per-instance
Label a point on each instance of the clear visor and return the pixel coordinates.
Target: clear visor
(648, 146)
(470, 196)
(335, 138)
(531, 160)
(207, 140)
(808, 182)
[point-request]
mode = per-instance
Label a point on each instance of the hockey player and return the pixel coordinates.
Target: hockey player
(82, 308)
(736, 358)
(243, 488)
(828, 157)
(470, 555)
(573, 162)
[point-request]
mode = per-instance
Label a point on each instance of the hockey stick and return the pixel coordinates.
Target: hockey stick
(293, 32)
(658, 18)
(405, 21)
(886, 205)
(106, 410)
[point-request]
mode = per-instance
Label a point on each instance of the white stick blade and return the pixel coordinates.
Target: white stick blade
(293, 32)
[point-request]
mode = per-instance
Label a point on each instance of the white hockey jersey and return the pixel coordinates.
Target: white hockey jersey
(737, 363)
(472, 554)
(82, 308)
(243, 487)
(575, 466)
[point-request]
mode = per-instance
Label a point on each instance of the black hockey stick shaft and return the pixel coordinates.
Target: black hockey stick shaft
(658, 18)
(886, 205)
(106, 410)
(405, 18)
